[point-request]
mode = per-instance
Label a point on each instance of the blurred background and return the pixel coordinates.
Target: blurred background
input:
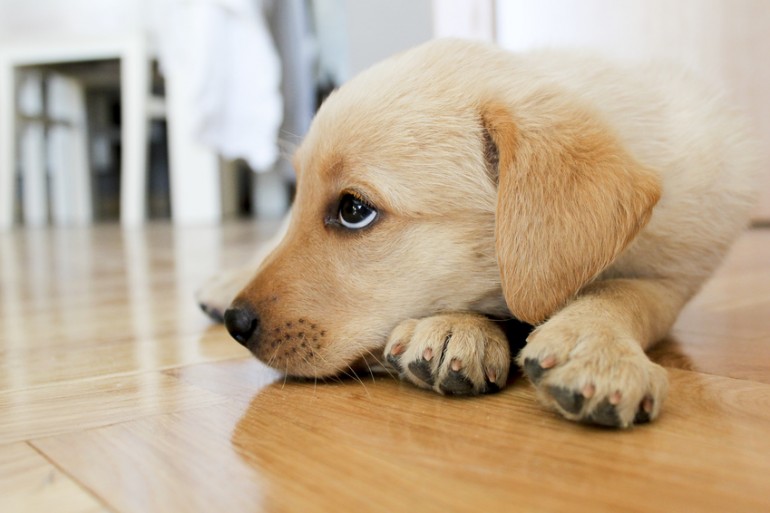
(135, 110)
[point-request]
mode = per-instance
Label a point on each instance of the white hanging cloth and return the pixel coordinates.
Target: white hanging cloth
(222, 53)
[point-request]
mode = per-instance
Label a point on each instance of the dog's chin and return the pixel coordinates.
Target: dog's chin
(322, 368)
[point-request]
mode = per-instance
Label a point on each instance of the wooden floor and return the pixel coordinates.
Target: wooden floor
(116, 394)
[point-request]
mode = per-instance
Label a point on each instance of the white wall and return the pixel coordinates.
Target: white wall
(32, 19)
(726, 41)
(380, 28)
(467, 19)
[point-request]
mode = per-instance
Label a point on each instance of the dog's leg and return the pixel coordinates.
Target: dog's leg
(453, 353)
(588, 361)
(217, 293)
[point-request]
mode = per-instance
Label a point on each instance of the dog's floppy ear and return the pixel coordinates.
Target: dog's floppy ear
(570, 199)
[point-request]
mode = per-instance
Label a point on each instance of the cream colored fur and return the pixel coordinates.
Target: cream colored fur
(589, 199)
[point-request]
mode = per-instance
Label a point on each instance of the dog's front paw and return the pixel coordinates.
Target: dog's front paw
(458, 353)
(593, 373)
(218, 292)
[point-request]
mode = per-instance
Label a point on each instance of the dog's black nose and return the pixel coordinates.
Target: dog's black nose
(241, 323)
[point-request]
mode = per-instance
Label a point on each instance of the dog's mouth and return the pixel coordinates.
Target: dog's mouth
(312, 358)
(368, 365)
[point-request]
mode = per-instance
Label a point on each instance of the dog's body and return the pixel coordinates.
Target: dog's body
(458, 181)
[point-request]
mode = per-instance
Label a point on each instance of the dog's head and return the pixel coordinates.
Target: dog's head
(439, 180)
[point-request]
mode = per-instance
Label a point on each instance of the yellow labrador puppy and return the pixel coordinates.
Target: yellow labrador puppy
(457, 182)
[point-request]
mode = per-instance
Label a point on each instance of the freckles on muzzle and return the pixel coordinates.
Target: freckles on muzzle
(294, 346)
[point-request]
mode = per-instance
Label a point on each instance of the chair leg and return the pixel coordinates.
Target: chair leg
(58, 159)
(31, 147)
(82, 179)
(7, 144)
(68, 155)
(134, 91)
(32, 156)
(193, 168)
(71, 174)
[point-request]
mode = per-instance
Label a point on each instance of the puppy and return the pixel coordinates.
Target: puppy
(458, 183)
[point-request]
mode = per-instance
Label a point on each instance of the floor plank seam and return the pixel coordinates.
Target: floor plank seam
(127, 374)
(98, 498)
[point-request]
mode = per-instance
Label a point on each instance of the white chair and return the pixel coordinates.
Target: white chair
(134, 62)
(194, 170)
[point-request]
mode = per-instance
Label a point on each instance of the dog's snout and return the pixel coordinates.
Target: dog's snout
(241, 322)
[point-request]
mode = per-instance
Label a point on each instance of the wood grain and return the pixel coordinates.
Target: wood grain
(116, 394)
(30, 483)
(83, 404)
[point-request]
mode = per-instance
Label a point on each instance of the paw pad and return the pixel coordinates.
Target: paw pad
(605, 414)
(569, 400)
(457, 384)
(421, 370)
(533, 370)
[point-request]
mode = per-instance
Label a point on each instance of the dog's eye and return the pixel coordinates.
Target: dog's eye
(354, 213)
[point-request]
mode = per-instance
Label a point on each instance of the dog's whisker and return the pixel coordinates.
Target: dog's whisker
(326, 362)
(315, 376)
(285, 134)
(371, 372)
(355, 376)
(270, 361)
(381, 364)
(285, 375)
(286, 147)
(323, 359)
